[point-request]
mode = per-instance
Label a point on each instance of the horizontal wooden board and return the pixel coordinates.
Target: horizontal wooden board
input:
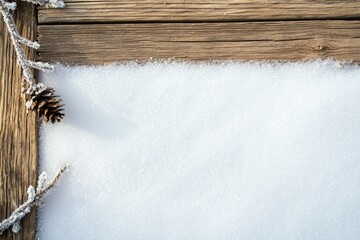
(77, 11)
(107, 43)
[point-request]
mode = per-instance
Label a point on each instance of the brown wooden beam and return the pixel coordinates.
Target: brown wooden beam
(80, 11)
(18, 132)
(289, 40)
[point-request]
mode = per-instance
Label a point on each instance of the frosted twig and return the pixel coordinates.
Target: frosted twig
(46, 67)
(27, 42)
(41, 182)
(10, 6)
(34, 198)
(14, 35)
(44, 102)
(17, 39)
(48, 3)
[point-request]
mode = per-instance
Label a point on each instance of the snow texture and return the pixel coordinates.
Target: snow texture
(205, 151)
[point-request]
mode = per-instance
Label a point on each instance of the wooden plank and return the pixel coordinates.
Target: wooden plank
(106, 43)
(18, 132)
(80, 11)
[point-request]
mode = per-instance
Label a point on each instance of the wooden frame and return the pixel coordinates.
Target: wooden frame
(104, 31)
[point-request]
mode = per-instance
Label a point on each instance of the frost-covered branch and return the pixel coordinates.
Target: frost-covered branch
(27, 42)
(47, 3)
(35, 198)
(44, 102)
(40, 65)
(14, 35)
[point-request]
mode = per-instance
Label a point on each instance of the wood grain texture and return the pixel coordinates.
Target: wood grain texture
(80, 11)
(18, 132)
(106, 43)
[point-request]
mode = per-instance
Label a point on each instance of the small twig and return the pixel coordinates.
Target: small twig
(14, 35)
(40, 65)
(34, 199)
(40, 196)
(48, 3)
(27, 42)
(44, 102)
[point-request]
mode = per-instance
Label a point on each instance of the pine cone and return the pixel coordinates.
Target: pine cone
(42, 99)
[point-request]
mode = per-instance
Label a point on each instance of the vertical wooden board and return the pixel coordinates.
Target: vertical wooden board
(18, 132)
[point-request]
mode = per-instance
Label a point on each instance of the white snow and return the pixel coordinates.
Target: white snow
(205, 151)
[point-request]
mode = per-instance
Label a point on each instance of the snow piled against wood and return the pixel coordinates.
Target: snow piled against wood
(205, 151)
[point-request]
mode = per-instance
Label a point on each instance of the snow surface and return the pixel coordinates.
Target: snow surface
(205, 151)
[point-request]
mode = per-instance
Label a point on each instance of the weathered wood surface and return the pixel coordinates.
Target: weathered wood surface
(18, 133)
(80, 11)
(289, 40)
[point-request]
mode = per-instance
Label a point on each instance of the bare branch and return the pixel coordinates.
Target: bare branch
(34, 198)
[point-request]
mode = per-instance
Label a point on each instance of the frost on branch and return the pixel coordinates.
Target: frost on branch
(38, 97)
(48, 3)
(35, 198)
